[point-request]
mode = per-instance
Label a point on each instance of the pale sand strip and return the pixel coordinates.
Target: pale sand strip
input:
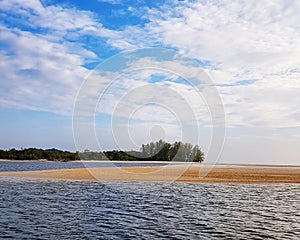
(178, 173)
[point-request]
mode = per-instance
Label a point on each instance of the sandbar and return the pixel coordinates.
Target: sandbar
(196, 173)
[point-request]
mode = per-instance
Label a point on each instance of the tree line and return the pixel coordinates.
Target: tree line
(154, 151)
(37, 154)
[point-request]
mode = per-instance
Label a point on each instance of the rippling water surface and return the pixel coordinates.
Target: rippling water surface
(33, 209)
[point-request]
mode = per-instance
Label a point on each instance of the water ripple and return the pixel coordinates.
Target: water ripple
(91, 210)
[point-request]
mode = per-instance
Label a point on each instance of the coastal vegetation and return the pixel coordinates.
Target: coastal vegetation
(38, 154)
(154, 151)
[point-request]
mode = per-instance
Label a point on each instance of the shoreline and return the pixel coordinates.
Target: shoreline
(196, 173)
(160, 162)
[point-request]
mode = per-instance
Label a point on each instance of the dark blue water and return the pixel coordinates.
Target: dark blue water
(32, 209)
(33, 165)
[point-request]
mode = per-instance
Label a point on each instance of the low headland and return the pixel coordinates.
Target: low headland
(182, 162)
(153, 151)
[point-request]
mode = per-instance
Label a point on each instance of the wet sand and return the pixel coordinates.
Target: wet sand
(178, 173)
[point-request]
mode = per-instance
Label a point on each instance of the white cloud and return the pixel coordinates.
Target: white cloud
(40, 75)
(234, 34)
(60, 20)
(111, 1)
(42, 69)
(243, 40)
(123, 93)
(21, 6)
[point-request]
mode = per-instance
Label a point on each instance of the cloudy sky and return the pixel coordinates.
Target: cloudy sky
(53, 55)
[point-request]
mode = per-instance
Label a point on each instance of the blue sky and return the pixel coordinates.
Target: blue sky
(250, 50)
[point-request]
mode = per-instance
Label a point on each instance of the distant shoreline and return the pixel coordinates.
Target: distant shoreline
(196, 173)
(162, 162)
(27, 160)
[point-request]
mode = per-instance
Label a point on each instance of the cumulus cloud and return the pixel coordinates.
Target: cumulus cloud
(43, 58)
(250, 49)
(54, 17)
(255, 42)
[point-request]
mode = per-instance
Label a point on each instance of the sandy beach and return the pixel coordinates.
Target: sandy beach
(177, 173)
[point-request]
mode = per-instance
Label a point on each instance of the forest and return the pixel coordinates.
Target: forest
(39, 154)
(154, 151)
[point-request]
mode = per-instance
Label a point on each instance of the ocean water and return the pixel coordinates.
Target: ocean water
(42, 209)
(34, 165)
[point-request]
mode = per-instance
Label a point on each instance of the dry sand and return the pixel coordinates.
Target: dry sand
(178, 173)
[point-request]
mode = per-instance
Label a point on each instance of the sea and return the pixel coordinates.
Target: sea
(7, 166)
(57, 209)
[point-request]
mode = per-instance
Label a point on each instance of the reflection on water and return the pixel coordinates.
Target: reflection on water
(92, 210)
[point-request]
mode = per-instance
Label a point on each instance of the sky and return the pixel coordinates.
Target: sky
(113, 74)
